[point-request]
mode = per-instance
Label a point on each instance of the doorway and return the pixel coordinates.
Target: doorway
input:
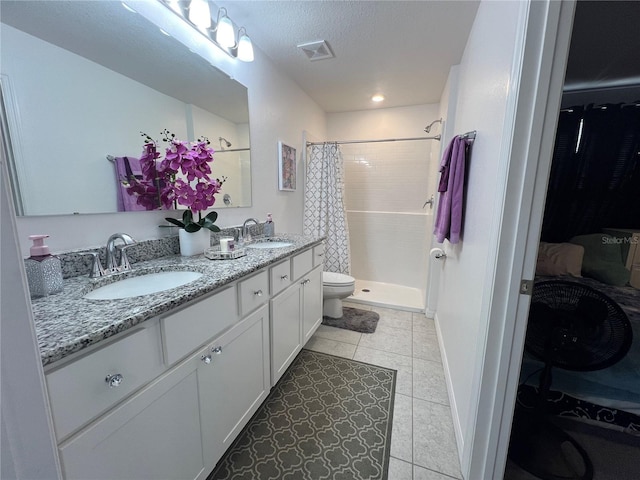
(599, 72)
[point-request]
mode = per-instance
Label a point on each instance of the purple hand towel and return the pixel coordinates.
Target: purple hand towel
(448, 223)
(127, 167)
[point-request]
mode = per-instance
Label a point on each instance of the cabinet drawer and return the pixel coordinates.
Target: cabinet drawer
(318, 255)
(254, 292)
(194, 325)
(79, 391)
(280, 276)
(302, 263)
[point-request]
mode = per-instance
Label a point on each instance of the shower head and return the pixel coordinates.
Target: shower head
(428, 127)
(226, 142)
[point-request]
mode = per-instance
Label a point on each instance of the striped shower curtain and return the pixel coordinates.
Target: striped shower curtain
(324, 211)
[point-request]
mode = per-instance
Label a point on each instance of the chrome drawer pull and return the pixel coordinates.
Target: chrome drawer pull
(114, 380)
(258, 293)
(206, 359)
(284, 277)
(217, 350)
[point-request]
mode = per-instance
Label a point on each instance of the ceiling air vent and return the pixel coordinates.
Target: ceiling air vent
(316, 50)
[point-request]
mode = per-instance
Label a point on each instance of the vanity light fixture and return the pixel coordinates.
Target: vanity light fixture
(199, 13)
(221, 32)
(225, 34)
(245, 47)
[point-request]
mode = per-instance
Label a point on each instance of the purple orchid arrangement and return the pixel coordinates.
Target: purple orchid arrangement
(183, 178)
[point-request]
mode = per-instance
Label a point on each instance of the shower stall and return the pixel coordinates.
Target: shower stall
(386, 186)
(389, 162)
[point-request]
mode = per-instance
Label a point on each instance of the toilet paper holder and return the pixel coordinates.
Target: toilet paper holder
(438, 253)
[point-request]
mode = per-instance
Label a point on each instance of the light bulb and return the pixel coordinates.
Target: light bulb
(245, 47)
(377, 98)
(175, 6)
(199, 13)
(225, 35)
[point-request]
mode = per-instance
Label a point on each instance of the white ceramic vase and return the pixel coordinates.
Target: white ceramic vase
(194, 243)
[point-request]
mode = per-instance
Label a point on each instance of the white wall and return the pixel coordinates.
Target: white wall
(448, 102)
(485, 101)
(279, 110)
(386, 185)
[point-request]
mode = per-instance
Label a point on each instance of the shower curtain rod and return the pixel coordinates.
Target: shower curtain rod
(340, 142)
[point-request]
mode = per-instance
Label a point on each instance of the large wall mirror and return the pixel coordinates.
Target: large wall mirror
(82, 79)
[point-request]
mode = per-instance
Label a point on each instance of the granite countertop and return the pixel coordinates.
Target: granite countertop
(67, 323)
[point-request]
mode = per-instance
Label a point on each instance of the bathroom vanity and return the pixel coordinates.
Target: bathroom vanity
(160, 386)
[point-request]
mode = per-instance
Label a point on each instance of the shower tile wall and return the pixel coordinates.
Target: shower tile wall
(386, 186)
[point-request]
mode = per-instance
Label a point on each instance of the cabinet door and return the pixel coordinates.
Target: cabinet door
(153, 435)
(285, 330)
(234, 384)
(312, 303)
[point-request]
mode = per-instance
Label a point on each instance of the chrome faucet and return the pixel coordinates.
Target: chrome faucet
(112, 265)
(245, 230)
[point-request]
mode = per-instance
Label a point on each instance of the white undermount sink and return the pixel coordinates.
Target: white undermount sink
(142, 285)
(269, 245)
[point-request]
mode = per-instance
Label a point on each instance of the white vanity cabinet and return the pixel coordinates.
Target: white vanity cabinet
(234, 383)
(285, 330)
(296, 312)
(181, 424)
(311, 303)
(168, 397)
(154, 434)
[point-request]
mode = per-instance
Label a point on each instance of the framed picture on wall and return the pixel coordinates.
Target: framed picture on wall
(287, 167)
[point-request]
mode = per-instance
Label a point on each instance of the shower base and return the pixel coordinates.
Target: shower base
(387, 295)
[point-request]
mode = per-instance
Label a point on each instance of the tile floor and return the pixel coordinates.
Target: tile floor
(422, 442)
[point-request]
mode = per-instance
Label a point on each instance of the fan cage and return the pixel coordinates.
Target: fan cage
(576, 327)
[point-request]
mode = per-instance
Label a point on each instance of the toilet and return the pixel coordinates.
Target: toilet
(335, 287)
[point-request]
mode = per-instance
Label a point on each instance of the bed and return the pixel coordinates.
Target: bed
(609, 395)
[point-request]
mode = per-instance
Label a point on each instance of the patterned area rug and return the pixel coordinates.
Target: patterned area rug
(363, 321)
(327, 418)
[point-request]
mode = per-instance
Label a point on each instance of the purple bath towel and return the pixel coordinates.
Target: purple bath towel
(448, 223)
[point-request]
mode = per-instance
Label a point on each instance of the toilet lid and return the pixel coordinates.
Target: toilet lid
(333, 278)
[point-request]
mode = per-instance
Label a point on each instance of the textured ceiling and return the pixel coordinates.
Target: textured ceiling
(403, 49)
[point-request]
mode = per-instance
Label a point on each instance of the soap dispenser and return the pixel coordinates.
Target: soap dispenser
(44, 271)
(269, 227)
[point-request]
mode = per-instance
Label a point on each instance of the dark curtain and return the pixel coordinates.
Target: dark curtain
(594, 184)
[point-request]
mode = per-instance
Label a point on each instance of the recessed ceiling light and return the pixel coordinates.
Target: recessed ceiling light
(377, 98)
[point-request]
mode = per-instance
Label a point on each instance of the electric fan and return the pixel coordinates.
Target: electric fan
(575, 327)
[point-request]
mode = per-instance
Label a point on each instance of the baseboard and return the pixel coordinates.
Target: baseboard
(457, 428)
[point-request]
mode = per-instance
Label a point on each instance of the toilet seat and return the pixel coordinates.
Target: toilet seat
(333, 279)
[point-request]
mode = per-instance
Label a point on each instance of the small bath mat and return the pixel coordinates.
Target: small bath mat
(363, 321)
